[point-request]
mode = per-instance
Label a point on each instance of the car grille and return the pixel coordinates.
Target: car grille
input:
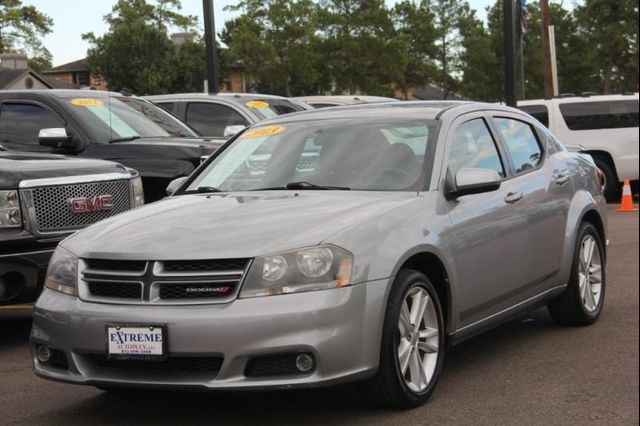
(51, 204)
(209, 364)
(161, 282)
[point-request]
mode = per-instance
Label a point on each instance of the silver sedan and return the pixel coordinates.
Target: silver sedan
(347, 244)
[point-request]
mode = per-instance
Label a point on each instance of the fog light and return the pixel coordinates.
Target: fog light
(304, 363)
(43, 354)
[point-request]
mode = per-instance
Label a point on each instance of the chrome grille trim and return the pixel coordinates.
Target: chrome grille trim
(153, 277)
(46, 208)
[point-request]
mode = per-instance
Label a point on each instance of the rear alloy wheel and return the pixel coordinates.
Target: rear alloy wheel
(581, 303)
(412, 343)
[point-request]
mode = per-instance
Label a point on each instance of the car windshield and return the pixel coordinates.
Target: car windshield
(120, 118)
(322, 154)
(270, 108)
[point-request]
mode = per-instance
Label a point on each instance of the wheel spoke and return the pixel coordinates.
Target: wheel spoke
(428, 348)
(415, 370)
(428, 333)
(404, 325)
(404, 353)
(582, 284)
(418, 307)
(590, 302)
(590, 247)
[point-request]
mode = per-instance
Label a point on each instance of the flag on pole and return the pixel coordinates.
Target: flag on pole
(524, 15)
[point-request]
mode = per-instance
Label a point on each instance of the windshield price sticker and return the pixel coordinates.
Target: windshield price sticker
(86, 102)
(135, 341)
(257, 104)
(262, 132)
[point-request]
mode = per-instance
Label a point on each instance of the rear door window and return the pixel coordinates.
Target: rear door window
(521, 143)
(539, 112)
(20, 124)
(211, 119)
(600, 115)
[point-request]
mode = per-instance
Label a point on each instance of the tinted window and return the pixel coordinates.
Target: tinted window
(474, 147)
(167, 106)
(211, 119)
(600, 115)
(521, 142)
(539, 112)
(20, 125)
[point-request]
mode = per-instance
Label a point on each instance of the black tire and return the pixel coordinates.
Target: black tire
(612, 188)
(569, 308)
(388, 387)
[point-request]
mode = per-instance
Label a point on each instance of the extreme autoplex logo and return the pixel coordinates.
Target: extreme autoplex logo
(90, 204)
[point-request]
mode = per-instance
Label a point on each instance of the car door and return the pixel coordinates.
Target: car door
(21, 122)
(546, 193)
(490, 240)
(212, 118)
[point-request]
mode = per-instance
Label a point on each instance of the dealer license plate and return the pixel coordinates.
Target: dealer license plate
(135, 341)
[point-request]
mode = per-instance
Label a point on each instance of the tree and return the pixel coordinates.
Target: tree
(136, 53)
(414, 44)
(447, 18)
(20, 30)
(611, 30)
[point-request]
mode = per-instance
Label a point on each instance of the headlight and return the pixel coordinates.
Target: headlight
(62, 272)
(10, 216)
(137, 192)
(307, 269)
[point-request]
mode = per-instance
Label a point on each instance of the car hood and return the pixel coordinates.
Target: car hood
(16, 167)
(234, 225)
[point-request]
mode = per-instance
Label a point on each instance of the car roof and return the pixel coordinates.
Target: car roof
(234, 97)
(345, 99)
(419, 110)
(64, 93)
(580, 98)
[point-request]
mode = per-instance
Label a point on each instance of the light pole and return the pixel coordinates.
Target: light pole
(210, 46)
(509, 52)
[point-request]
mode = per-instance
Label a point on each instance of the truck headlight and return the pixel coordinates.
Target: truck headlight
(308, 269)
(10, 216)
(62, 273)
(137, 193)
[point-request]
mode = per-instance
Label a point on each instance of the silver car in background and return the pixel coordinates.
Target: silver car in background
(417, 225)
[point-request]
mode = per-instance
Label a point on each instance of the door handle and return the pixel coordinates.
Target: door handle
(513, 197)
(562, 178)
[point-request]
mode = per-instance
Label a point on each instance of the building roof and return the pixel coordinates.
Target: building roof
(433, 92)
(75, 66)
(9, 76)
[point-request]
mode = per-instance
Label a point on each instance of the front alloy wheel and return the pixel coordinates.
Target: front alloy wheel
(412, 346)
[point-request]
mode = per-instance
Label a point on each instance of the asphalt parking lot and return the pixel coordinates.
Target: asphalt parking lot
(526, 372)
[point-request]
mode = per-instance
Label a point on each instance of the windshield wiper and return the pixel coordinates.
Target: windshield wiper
(208, 189)
(303, 185)
(125, 139)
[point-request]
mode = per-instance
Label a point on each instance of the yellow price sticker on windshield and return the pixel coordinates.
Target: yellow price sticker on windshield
(86, 102)
(263, 132)
(257, 104)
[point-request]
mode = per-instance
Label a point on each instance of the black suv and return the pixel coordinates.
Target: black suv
(104, 125)
(44, 198)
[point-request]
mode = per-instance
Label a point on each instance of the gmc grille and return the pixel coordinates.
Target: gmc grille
(51, 212)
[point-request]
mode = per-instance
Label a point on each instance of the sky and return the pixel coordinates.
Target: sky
(72, 18)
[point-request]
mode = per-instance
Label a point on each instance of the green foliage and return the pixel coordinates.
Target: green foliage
(137, 54)
(21, 28)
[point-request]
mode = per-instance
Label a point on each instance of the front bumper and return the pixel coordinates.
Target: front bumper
(341, 328)
(23, 265)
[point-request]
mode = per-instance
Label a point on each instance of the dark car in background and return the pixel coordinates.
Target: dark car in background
(224, 114)
(104, 125)
(43, 199)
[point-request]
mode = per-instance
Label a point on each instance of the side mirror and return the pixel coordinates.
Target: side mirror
(232, 130)
(175, 184)
(55, 137)
(473, 181)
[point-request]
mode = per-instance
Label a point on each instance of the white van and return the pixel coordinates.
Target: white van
(605, 125)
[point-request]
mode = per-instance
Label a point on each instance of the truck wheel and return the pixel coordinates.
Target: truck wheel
(611, 186)
(582, 300)
(412, 348)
